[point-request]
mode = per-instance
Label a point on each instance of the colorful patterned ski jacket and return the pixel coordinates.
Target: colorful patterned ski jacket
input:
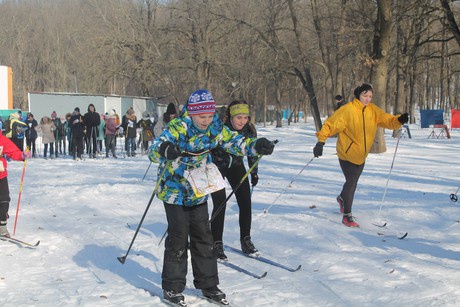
(224, 161)
(356, 125)
(174, 188)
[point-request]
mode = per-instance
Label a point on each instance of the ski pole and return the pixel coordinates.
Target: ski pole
(147, 171)
(123, 258)
(19, 197)
(233, 191)
(453, 196)
(282, 192)
(228, 197)
(236, 188)
(389, 174)
(195, 154)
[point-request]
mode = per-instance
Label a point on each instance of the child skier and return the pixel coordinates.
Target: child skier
(183, 149)
(232, 168)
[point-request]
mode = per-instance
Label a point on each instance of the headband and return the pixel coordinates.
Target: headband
(240, 108)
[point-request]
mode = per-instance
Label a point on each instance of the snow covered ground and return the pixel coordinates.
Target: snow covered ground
(85, 214)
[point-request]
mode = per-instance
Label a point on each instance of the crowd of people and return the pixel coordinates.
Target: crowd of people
(93, 133)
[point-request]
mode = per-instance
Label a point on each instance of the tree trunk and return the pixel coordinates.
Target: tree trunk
(382, 37)
(305, 75)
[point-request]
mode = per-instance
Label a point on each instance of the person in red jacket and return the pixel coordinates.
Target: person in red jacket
(7, 148)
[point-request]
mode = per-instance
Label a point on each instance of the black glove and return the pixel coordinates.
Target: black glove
(254, 179)
(169, 151)
(318, 150)
(264, 146)
(403, 118)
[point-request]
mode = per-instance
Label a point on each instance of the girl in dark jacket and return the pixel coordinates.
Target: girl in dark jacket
(31, 133)
(77, 126)
(92, 120)
(232, 168)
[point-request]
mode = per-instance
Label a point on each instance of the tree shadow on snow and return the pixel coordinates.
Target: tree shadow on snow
(105, 258)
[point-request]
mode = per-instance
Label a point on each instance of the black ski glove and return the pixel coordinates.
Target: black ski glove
(403, 118)
(169, 151)
(318, 150)
(254, 179)
(264, 146)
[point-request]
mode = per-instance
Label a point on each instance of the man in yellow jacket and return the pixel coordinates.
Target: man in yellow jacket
(356, 124)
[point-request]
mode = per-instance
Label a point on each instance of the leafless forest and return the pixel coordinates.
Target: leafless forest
(295, 54)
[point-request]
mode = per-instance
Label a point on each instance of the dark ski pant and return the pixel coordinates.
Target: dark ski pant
(4, 200)
(130, 146)
(352, 172)
(186, 223)
(91, 140)
(30, 143)
(243, 198)
(77, 146)
(110, 144)
(45, 149)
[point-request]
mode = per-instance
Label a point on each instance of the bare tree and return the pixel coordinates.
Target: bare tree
(381, 48)
(451, 22)
(269, 52)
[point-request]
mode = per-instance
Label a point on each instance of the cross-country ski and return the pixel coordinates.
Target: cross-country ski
(265, 260)
(19, 242)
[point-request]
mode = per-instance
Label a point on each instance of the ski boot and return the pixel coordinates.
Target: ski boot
(248, 247)
(215, 294)
(174, 298)
(349, 221)
(4, 231)
(219, 248)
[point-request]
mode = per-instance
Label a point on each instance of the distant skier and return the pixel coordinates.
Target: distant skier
(92, 120)
(31, 133)
(338, 102)
(356, 124)
(16, 130)
(47, 129)
(167, 116)
(77, 126)
(147, 123)
(129, 124)
(111, 128)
